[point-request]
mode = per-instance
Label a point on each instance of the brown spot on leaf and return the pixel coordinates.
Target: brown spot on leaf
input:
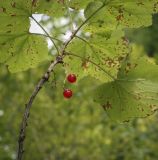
(107, 106)
(34, 3)
(61, 1)
(85, 64)
(120, 17)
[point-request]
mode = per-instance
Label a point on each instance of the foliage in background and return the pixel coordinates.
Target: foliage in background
(77, 129)
(147, 37)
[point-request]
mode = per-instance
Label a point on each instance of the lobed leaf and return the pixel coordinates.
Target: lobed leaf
(99, 57)
(133, 94)
(19, 49)
(117, 13)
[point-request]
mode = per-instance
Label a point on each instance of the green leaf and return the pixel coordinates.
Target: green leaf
(21, 52)
(55, 8)
(118, 13)
(14, 17)
(133, 94)
(155, 6)
(19, 49)
(78, 4)
(99, 57)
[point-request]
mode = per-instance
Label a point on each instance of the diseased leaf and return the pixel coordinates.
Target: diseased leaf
(133, 94)
(21, 52)
(14, 17)
(118, 13)
(19, 49)
(99, 57)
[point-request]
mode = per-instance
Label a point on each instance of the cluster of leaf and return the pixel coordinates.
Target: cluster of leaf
(129, 86)
(68, 130)
(99, 50)
(20, 49)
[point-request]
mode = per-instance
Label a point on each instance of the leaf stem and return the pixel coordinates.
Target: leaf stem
(46, 34)
(82, 39)
(78, 29)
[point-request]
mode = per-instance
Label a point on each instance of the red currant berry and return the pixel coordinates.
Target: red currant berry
(67, 93)
(71, 78)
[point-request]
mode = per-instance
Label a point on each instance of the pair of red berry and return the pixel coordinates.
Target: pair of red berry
(71, 78)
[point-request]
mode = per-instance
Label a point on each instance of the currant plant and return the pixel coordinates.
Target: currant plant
(97, 47)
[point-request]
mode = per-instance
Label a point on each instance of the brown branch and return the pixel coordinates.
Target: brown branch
(43, 80)
(38, 87)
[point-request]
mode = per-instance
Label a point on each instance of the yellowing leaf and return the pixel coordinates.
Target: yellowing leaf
(118, 13)
(19, 49)
(133, 94)
(99, 57)
(21, 52)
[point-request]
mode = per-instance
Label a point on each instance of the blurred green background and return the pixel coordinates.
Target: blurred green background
(76, 129)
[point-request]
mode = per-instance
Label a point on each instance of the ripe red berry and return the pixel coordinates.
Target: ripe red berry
(71, 78)
(67, 93)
